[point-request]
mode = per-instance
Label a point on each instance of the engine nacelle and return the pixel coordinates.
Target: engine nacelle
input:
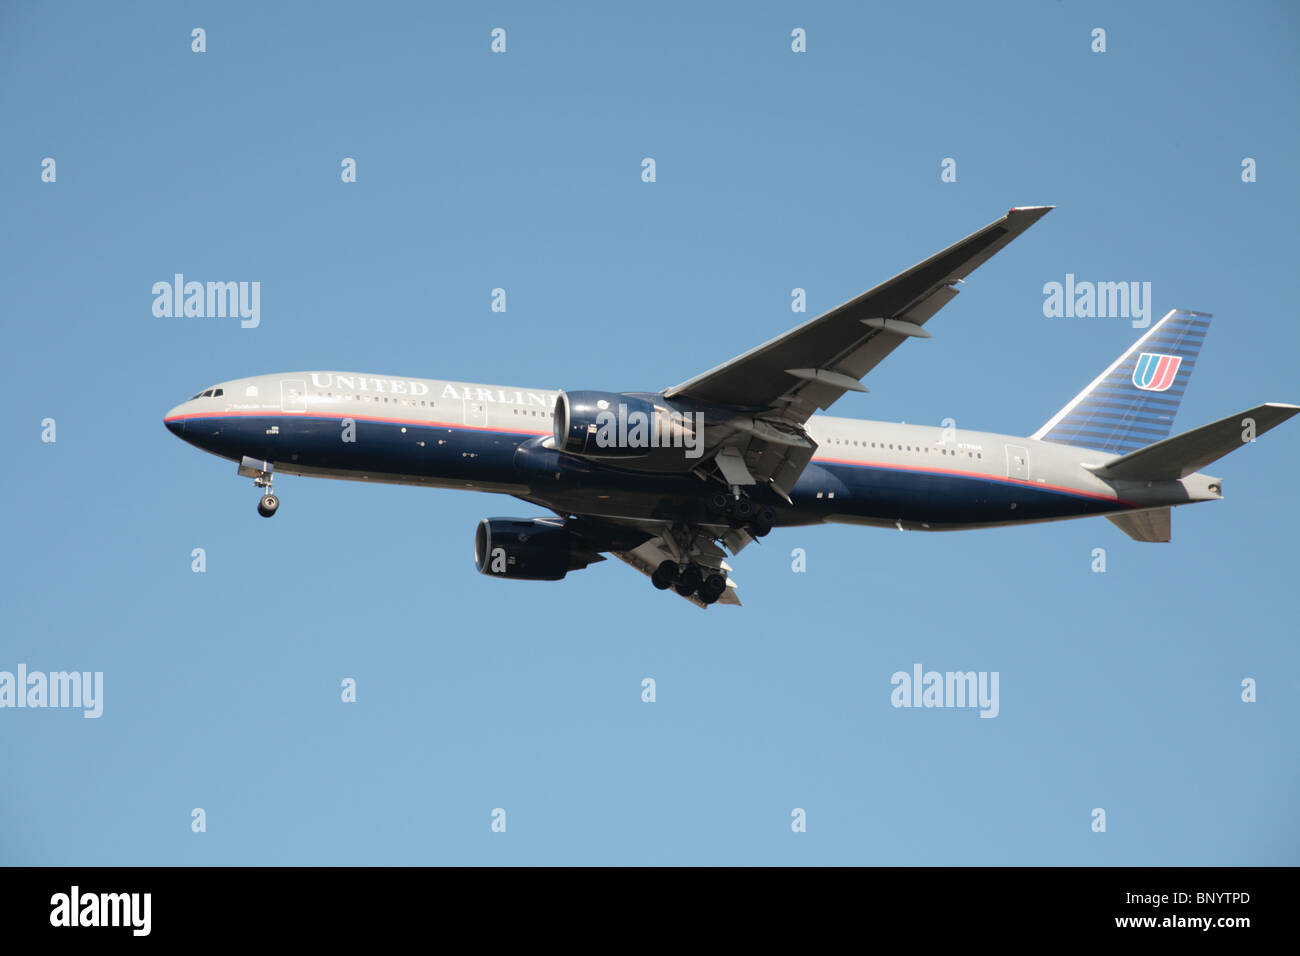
(620, 425)
(530, 549)
(588, 424)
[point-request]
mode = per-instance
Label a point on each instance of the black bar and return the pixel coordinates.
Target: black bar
(977, 905)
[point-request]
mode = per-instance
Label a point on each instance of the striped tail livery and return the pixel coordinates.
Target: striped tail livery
(1133, 403)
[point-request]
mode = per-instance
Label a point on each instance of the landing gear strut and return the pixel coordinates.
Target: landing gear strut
(269, 503)
(261, 473)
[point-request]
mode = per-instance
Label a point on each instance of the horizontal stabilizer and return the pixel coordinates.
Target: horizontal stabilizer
(1150, 525)
(1182, 455)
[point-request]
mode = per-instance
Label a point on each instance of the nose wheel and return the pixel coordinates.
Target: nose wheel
(268, 505)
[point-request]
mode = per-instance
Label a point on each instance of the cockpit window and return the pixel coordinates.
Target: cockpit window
(218, 392)
(209, 393)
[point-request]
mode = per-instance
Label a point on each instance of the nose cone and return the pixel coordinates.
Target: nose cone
(175, 424)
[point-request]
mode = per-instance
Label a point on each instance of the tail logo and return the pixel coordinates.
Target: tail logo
(1155, 373)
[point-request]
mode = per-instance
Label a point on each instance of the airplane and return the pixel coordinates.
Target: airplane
(666, 480)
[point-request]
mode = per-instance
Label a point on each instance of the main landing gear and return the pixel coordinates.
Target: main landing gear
(688, 579)
(742, 512)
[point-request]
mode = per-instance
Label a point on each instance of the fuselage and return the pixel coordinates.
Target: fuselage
(495, 438)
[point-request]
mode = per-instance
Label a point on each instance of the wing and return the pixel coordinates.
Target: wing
(810, 367)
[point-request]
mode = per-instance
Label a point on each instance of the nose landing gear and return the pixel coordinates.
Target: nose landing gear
(262, 474)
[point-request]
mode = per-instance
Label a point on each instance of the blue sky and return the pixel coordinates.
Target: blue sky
(775, 170)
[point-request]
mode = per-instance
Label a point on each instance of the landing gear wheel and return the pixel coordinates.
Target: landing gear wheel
(268, 505)
(664, 575)
(762, 523)
(689, 581)
(743, 509)
(718, 503)
(712, 588)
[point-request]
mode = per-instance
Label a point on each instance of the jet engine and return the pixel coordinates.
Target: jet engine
(530, 549)
(617, 425)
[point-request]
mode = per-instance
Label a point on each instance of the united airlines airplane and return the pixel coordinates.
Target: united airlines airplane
(665, 481)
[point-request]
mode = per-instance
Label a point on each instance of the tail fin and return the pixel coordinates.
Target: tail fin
(1133, 403)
